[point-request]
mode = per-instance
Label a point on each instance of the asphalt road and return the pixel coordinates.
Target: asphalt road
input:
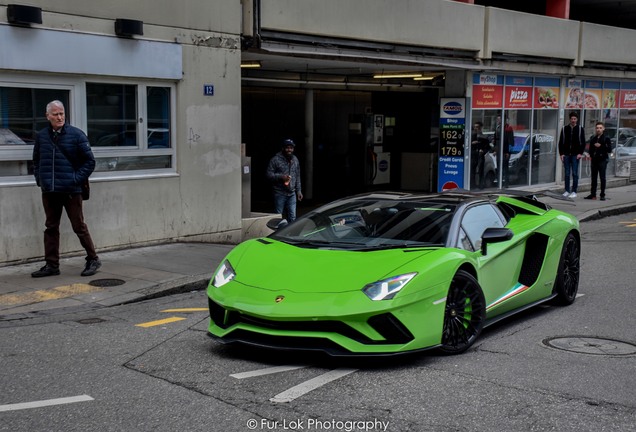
(151, 367)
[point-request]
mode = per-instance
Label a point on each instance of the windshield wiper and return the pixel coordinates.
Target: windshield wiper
(386, 246)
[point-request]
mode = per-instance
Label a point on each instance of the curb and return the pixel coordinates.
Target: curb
(601, 213)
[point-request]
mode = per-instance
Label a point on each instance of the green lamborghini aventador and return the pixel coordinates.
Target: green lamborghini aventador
(388, 273)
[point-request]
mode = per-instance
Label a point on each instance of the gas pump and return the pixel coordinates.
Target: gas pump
(369, 164)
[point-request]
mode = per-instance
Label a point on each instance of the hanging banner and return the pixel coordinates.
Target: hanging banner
(452, 123)
(487, 92)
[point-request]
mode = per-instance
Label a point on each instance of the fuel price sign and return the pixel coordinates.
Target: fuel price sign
(452, 124)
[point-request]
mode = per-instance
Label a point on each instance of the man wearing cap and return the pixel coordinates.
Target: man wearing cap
(284, 173)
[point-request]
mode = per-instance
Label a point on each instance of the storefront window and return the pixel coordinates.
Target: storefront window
(522, 129)
(544, 147)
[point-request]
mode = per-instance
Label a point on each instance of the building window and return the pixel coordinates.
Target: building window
(111, 111)
(130, 126)
(22, 114)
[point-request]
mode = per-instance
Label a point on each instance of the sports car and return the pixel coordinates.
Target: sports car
(390, 273)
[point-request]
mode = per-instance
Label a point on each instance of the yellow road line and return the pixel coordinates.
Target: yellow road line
(629, 224)
(185, 310)
(56, 293)
(159, 322)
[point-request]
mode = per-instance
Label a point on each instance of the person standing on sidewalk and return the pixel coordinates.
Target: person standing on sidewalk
(571, 147)
(62, 161)
(284, 173)
(600, 149)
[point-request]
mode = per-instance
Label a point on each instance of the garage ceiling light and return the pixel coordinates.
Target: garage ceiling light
(251, 64)
(397, 75)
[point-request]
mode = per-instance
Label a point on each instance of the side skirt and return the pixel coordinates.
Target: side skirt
(498, 318)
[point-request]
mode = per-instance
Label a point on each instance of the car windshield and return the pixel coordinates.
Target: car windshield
(371, 224)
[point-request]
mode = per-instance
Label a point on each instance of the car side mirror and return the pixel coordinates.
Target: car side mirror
(276, 223)
(494, 235)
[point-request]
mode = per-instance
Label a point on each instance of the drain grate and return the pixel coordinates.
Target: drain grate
(591, 345)
(103, 283)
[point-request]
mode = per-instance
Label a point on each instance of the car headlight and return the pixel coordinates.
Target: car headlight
(387, 289)
(224, 274)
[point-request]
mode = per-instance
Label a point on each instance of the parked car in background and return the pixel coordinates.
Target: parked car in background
(624, 134)
(628, 149)
(540, 147)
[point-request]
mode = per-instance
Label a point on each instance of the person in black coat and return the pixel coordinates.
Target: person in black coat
(600, 149)
(62, 162)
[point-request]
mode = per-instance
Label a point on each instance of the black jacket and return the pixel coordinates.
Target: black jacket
(572, 140)
(52, 170)
(602, 152)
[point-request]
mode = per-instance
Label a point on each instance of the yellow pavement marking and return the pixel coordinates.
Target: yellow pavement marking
(159, 322)
(629, 224)
(185, 310)
(47, 294)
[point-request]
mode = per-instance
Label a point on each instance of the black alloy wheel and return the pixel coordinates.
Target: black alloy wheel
(464, 315)
(567, 282)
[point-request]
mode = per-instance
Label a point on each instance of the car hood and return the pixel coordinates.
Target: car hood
(273, 265)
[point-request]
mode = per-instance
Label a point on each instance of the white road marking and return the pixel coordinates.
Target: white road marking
(266, 371)
(312, 384)
(43, 403)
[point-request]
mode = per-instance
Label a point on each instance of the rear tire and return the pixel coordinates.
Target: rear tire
(567, 281)
(464, 315)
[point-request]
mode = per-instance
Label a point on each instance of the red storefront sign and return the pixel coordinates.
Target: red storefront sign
(518, 97)
(487, 96)
(628, 99)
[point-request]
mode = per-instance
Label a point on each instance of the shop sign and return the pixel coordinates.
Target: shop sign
(628, 99)
(487, 96)
(610, 98)
(452, 124)
(518, 97)
(546, 97)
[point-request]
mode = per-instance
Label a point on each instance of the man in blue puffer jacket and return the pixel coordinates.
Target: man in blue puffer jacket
(62, 161)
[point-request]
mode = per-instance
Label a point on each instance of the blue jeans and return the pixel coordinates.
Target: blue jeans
(285, 203)
(571, 165)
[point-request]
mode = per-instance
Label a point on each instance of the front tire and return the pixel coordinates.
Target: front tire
(464, 315)
(567, 282)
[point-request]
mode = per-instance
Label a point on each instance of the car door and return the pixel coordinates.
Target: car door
(499, 268)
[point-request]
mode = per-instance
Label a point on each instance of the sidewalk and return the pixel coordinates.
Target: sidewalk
(142, 273)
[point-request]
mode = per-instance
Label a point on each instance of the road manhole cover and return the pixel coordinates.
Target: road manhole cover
(106, 282)
(90, 321)
(591, 345)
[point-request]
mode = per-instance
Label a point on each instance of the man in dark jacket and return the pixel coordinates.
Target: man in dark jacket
(62, 162)
(284, 173)
(600, 149)
(571, 147)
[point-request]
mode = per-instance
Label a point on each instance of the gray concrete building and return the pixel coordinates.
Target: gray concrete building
(182, 132)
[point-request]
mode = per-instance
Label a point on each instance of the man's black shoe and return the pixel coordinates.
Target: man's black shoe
(592, 197)
(47, 270)
(91, 267)
(602, 198)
